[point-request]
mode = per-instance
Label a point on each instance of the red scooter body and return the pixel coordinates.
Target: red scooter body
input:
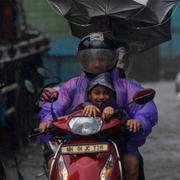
(85, 157)
(88, 158)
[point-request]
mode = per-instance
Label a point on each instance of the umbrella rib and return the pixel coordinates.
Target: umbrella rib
(137, 13)
(83, 25)
(59, 10)
(106, 10)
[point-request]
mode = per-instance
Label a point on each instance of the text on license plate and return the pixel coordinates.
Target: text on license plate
(85, 148)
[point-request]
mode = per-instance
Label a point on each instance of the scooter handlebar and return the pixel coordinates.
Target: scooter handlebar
(37, 132)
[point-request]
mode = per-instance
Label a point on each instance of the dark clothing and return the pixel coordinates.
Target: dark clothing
(141, 162)
(122, 73)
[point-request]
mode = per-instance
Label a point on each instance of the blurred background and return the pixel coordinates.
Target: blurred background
(36, 48)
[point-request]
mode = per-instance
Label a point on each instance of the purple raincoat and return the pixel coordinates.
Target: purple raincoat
(73, 93)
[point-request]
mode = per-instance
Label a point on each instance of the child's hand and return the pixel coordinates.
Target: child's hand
(133, 125)
(107, 112)
(90, 110)
(43, 126)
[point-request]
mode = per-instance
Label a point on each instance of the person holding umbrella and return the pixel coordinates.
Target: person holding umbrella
(122, 56)
(96, 54)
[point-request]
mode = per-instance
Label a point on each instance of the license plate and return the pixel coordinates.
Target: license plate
(85, 148)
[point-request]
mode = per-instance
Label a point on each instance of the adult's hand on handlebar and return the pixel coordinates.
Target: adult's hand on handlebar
(43, 126)
(134, 125)
(90, 110)
(48, 94)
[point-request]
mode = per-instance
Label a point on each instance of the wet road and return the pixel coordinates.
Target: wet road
(161, 151)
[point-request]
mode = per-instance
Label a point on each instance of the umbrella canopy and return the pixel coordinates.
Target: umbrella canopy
(140, 23)
(84, 11)
(138, 39)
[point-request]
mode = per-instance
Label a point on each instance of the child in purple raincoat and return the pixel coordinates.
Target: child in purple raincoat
(101, 97)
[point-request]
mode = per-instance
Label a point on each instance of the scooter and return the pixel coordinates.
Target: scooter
(88, 156)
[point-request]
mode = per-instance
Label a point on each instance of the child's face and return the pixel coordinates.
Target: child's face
(99, 94)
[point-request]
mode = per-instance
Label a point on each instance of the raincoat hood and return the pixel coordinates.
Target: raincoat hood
(103, 79)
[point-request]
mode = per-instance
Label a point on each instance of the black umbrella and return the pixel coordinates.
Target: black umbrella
(138, 39)
(155, 11)
(140, 23)
(84, 11)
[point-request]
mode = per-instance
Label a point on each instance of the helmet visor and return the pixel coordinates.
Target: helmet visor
(96, 61)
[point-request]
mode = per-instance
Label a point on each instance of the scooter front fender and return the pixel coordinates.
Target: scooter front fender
(87, 166)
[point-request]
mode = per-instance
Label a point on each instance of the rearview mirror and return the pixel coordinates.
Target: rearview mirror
(144, 96)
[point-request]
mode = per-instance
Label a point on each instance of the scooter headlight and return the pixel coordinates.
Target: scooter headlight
(63, 173)
(85, 125)
(107, 169)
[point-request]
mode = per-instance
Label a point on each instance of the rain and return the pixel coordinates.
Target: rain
(38, 49)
